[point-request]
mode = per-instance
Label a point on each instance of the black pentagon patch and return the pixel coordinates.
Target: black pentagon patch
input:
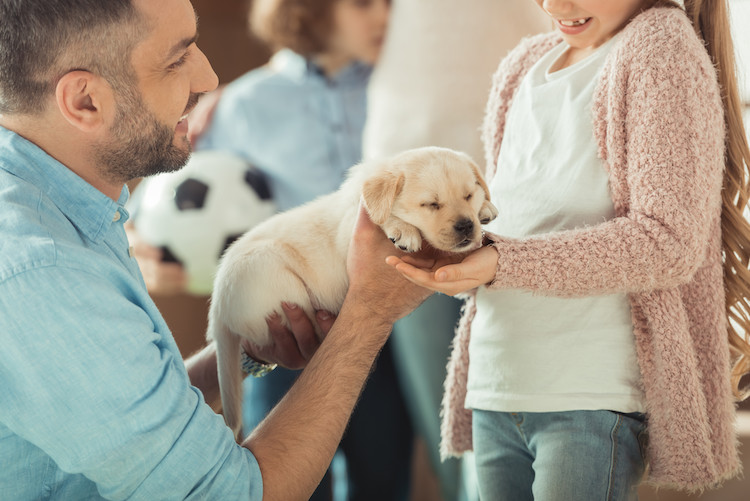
(168, 256)
(229, 241)
(258, 183)
(190, 194)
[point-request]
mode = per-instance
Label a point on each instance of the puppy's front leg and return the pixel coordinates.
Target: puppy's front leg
(403, 235)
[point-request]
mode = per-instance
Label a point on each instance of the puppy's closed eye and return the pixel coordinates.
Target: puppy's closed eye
(432, 205)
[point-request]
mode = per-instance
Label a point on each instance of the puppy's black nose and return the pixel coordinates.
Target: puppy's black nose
(464, 227)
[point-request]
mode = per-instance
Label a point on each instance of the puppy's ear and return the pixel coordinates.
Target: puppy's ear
(379, 192)
(488, 212)
(480, 180)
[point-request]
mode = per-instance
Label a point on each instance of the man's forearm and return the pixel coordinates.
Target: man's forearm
(295, 444)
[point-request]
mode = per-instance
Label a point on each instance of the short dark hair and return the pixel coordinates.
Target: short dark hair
(303, 26)
(41, 40)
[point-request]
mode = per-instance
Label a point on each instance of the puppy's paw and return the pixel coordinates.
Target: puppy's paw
(404, 236)
(487, 213)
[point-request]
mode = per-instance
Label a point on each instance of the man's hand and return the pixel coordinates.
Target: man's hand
(449, 274)
(372, 283)
(290, 347)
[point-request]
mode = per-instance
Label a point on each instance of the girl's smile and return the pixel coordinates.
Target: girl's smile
(573, 27)
(587, 24)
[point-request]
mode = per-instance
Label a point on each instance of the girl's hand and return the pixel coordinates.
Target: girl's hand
(450, 274)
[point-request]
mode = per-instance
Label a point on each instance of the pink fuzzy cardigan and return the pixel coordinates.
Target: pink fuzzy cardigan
(658, 122)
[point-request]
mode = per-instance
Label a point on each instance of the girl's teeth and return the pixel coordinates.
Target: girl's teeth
(573, 23)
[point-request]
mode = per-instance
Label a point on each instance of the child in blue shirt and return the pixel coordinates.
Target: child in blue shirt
(299, 120)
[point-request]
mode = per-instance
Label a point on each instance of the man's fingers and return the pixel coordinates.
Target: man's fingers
(288, 352)
(283, 348)
(419, 262)
(292, 347)
(302, 329)
(325, 320)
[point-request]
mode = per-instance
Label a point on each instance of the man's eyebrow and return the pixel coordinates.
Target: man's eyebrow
(180, 46)
(183, 44)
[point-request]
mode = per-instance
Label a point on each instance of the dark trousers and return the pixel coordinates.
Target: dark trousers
(377, 445)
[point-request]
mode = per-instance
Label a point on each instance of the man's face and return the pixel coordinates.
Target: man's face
(139, 144)
(149, 133)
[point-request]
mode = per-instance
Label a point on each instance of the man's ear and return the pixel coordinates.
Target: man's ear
(83, 98)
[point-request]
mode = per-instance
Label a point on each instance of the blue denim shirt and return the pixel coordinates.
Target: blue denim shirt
(303, 130)
(95, 401)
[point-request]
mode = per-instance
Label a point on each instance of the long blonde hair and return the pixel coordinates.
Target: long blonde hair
(711, 22)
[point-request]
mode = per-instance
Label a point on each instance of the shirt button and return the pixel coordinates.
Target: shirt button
(117, 216)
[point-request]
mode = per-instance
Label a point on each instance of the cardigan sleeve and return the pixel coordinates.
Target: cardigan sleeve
(664, 150)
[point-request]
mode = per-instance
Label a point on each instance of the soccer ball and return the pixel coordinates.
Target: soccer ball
(194, 214)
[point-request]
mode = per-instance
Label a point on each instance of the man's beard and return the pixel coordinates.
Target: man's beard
(140, 145)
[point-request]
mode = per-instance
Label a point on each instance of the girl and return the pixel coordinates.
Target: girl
(618, 255)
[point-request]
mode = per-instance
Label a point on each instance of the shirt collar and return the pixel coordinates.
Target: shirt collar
(293, 65)
(90, 210)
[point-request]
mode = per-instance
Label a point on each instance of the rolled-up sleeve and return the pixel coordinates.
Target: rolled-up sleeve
(89, 378)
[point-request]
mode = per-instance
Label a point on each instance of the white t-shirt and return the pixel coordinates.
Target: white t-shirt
(536, 353)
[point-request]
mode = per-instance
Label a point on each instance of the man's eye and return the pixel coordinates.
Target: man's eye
(178, 63)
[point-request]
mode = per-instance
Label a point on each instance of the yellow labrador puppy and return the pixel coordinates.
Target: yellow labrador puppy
(299, 256)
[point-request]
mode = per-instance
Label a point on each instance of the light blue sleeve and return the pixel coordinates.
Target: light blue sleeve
(86, 378)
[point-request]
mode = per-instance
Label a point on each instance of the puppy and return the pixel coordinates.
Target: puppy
(299, 256)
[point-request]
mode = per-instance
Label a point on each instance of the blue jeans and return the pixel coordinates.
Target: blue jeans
(558, 456)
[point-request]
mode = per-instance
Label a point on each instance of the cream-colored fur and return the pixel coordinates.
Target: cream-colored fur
(299, 256)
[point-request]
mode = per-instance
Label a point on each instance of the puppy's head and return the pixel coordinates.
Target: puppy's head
(439, 191)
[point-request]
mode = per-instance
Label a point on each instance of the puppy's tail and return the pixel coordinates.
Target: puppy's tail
(230, 375)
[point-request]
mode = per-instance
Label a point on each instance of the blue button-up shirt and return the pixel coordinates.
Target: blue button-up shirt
(303, 130)
(95, 401)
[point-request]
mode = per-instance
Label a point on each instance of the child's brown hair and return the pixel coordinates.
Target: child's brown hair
(300, 25)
